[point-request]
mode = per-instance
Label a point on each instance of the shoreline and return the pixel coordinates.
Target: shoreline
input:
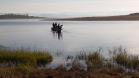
(130, 17)
(31, 64)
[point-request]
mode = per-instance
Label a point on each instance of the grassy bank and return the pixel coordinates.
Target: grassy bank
(28, 64)
(14, 58)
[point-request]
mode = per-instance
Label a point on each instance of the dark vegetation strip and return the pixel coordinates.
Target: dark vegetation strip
(18, 16)
(130, 17)
(120, 64)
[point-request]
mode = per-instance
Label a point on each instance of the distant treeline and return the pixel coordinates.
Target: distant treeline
(130, 17)
(17, 16)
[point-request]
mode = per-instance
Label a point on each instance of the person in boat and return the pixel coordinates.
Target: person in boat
(54, 26)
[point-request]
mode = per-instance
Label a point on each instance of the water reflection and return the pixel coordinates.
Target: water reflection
(57, 34)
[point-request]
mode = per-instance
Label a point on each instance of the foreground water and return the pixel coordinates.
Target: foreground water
(75, 37)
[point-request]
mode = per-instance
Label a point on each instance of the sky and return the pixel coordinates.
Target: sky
(70, 7)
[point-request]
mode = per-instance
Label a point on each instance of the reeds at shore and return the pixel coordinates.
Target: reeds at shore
(13, 58)
(26, 64)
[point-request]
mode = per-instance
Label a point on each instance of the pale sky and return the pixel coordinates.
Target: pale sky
(86, 7)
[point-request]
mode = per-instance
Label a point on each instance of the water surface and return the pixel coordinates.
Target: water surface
(75, 37)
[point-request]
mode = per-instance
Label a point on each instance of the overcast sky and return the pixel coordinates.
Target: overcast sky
(87, 7)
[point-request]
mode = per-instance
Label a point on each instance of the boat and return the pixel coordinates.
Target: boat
(56, 27)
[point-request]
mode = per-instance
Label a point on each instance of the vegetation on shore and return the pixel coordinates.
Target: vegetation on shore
(15, 58)
(18, 16)
(28, 64)
(130, 17)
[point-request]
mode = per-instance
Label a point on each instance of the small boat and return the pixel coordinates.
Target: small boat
(56, 27)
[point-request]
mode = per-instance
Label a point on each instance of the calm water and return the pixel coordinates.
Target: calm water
(75, 37)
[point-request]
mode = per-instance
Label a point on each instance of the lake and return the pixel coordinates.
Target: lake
(76, 35)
